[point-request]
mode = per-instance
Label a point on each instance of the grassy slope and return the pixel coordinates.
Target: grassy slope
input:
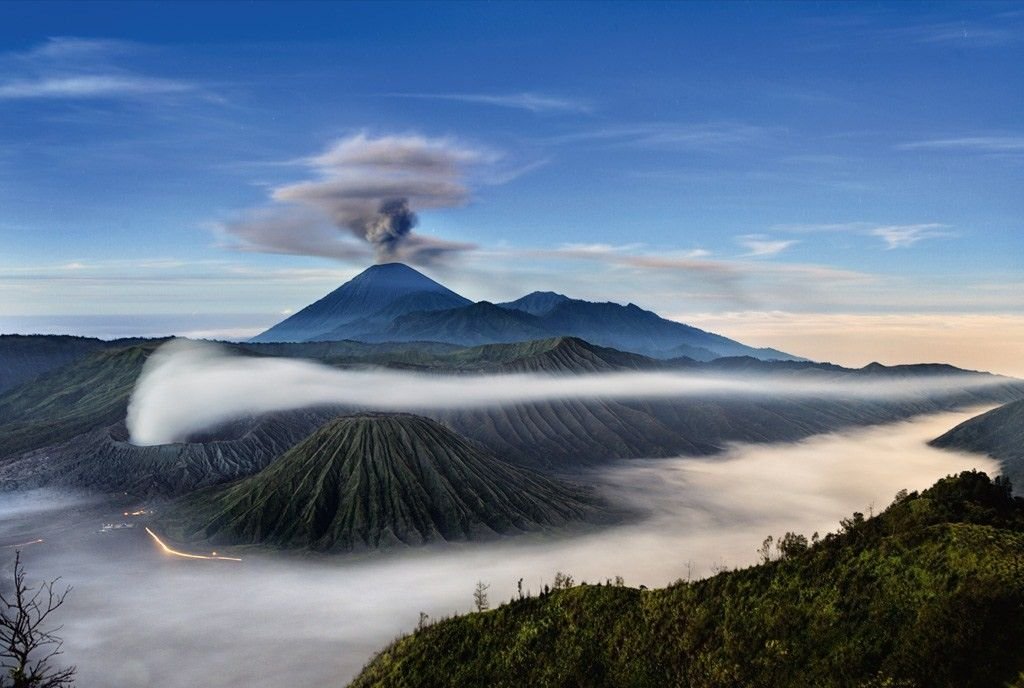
(368, 480)
(87, 394)
(929, 593)
(25, 357)
(998, 433)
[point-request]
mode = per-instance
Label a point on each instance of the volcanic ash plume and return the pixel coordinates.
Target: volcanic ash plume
(392, 223)
(366, 188)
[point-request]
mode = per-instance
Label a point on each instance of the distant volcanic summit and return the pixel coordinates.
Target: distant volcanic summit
(372, 480)
(370, 299)
(395, 303)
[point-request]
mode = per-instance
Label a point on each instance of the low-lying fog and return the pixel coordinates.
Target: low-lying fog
(138, 618)
(222, 386)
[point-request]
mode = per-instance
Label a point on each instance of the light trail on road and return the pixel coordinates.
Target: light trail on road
(186, 555)
(25, 544)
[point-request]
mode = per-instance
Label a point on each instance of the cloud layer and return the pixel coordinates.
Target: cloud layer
(134, 614)
(221, 387)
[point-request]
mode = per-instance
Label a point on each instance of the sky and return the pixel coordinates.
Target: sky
(843, 181)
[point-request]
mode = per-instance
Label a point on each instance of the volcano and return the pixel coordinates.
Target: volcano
(373, 480)
(373, 297)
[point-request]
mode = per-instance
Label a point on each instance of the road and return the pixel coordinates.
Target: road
(186, 555)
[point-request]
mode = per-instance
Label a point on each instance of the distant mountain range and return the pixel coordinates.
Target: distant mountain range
(65, 426)
(395, 303)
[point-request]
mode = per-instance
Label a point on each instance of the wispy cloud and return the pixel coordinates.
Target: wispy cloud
(984, 33)
(893, 236)
(970, 144)
(948, 26)
(93, 86)
(706, 136)
(73, 48)
(76, 68)
(904, 236)
(694, 261)
(656, 278)
(760, 245)
(532, 102)
(816, 227)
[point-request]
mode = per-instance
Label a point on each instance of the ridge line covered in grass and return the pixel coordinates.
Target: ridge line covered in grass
(928, 593)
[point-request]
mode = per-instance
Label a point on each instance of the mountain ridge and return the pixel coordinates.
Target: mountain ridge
(927, 593)
(395, 303)
(92, 393)
(998, 433)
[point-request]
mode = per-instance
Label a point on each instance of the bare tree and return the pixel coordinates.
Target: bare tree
(563, 581)
(27, 647)
(480, 600)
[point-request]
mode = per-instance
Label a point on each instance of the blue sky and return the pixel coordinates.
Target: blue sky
(705, 160)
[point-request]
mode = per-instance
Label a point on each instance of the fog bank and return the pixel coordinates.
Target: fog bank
(187, 387)
(138, 618)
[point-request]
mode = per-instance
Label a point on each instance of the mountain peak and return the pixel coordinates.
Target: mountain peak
(397, 272)
(536, 302)
(371, 292)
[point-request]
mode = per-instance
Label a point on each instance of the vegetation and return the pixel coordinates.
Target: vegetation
(481, 602)
(998, 433)
(928, 593)
(27, 647)
(24, 357)
(90, 393)
(370, 480)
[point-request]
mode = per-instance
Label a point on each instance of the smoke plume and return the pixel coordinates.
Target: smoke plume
(368, 189)
(393, 222)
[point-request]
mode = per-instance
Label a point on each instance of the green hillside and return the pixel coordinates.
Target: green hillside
(928, 594)
(90, 393)
(998, 433)
(372, 480)
(553, 355)
(24, 357)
